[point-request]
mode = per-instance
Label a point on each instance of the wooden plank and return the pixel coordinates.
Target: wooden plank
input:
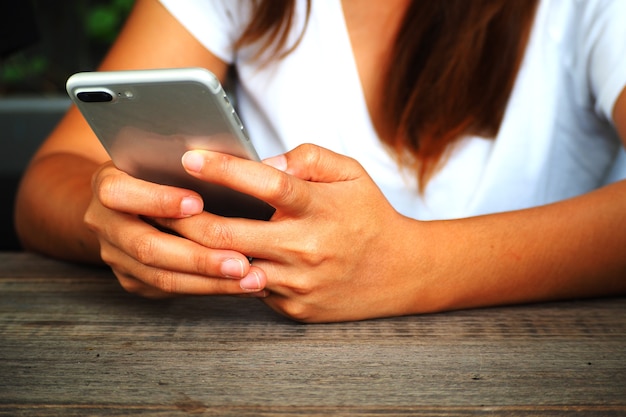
(74, 343)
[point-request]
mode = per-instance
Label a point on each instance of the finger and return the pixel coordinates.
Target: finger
(316, 164)
(243, 236)
(119, 191)
(262, 181)
(134, 286)
(146, 279)
(259, 294)
(152, 282)
(149, 246)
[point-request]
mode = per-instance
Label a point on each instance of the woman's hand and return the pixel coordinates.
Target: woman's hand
(150, 262)
(334, 248)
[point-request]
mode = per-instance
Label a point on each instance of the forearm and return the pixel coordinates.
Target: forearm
(50, 206)
(575, 248)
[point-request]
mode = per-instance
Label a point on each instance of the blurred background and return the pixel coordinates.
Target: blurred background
(42, 43)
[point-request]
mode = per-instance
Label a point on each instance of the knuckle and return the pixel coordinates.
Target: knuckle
(203, 263)
(298, 284)
(90, 221)
(301, 287)
(144, 248)
(165, 281)
(218, 236)
(310, 152)
(353, 168)
(295, 310)
(167, 204)
(96, 178)
(128, 282)
(281, 189)
(107, 256)
(106, 189)
(131, 286)
(93, 217)
(312, 155)
(312, 253)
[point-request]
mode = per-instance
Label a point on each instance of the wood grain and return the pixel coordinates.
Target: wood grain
(73, 343)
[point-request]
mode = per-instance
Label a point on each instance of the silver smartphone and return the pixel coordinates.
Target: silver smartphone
(147, 119)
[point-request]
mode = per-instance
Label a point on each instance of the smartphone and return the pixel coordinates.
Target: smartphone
(147, 119)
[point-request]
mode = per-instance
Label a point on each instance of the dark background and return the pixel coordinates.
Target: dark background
(43, 42)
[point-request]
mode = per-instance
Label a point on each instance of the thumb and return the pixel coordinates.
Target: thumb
(314, 163)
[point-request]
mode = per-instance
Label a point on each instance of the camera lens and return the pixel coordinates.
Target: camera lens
(94, 96)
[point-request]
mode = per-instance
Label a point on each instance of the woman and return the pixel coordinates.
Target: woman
(497, 121)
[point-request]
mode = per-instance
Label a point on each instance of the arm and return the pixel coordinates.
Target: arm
(574, 248)
(339, 252)
(55, 190)
(58, 214)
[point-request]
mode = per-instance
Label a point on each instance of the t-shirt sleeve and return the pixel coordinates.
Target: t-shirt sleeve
(216, 24)
(604, 47)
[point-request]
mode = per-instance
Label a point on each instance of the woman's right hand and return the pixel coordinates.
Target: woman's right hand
(152, 262)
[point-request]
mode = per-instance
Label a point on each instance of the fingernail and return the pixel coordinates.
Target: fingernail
(279, 162)
(193, 161)
(191, 205)
(252, 282)
(233, 268)
(259, 294)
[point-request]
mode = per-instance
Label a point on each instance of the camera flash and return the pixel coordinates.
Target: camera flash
(128, 94)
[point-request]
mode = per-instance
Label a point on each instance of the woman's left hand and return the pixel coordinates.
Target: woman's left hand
(334, 250)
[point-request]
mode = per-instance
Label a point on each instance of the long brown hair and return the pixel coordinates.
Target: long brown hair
(451, 72)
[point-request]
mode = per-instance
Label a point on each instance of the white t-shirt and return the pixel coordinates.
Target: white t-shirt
(556, 140)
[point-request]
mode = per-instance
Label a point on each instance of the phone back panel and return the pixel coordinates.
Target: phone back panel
(155, 116)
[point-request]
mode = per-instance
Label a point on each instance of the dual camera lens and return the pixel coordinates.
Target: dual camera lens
(100, 96)
(94, 96)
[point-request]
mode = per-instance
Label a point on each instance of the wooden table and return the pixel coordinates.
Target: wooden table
(73, 343)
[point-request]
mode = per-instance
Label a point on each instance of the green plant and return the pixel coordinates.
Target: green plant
(103, 21)
(74, 35)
